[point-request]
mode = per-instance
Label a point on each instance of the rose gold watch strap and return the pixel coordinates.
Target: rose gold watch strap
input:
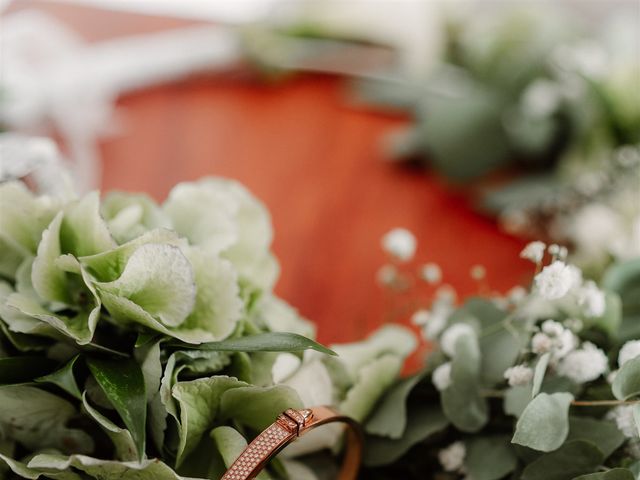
(290, 425)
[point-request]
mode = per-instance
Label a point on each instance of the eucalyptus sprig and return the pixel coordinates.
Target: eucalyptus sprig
(536, 384)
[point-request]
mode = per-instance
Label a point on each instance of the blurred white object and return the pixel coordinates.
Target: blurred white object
(39, 159)
(50, 76)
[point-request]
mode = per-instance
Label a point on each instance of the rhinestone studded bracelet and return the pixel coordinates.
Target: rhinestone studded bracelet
(290, 425)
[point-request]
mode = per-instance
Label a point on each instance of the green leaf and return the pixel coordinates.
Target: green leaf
(152, 469)
(516, 400)
(602, 433)
(257, 407)
(64, 379)
(123, 383)
(390, 339)
(371, 383)
(37, 419)
(611, 319)
(125, 447)
(571, 460)
(264, 342)
(390, 416)
(22, 369)
(627, 381)
(498, 449)
(538, 374)
(462, 402)
(199, 402)
(544, 424)
(613, 474)
(425, 421)
(21, 469)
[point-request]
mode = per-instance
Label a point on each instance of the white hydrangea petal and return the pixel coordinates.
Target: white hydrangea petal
(84, 231)
(160, 280)
(49, 281)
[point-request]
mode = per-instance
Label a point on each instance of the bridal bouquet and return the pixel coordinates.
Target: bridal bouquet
(143, 341)
(542, 383)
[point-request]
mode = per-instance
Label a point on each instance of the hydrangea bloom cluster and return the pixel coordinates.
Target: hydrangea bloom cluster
(143, 340)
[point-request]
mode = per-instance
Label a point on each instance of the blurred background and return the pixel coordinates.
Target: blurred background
(467, 123)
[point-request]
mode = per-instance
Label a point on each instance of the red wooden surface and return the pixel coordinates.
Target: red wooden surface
(317, 164)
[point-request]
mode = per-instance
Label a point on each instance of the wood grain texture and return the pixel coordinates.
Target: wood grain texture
(317, 164)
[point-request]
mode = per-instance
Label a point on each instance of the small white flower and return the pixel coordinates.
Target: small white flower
(555, 280)
(564, 344)
(592, 299)
(438, 319)
(629, 351)
(553, 328)
(431, 273)
(478, 272)
(446, 293)
(517, 294)
(541, 343)
(400, 243)
(451, 336)
(452, 457)
(441, 376)
(387, 275)
(534, 251)
(420, 317)
(623, 417)
(584, 365)
(518, 375)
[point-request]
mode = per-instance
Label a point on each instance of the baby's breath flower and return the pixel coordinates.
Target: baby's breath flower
(518, 375)
(517, 294)
(585, 364)
(555, 280)
(592, 299)
(541, 343)
(534, 251)
(451, 336)
(622, 415)
(551, 327)
(441, 376)
(431, 273)
(446, 293)
(452, 457)
(400, 243)
(387, 275)
(437, 319)
(478, 272)
(629, 351)
(420, 317)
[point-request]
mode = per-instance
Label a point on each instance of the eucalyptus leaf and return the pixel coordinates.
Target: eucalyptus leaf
(390, 417)
(613, 474)
(544, 424)
(626, 384)
(462, 401)
(425, 422)
(498, 449)
(539, 372)
(602, 433)
(123, 383)
(571, 460)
